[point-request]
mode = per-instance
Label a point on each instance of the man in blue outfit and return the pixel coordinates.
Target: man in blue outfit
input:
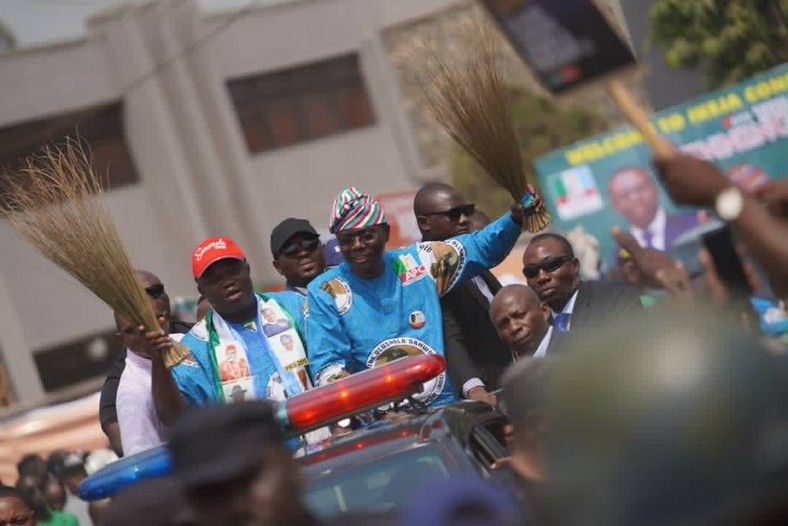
(378, 306)
(235, 326)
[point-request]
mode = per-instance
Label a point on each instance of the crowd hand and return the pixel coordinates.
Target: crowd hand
(501, 462)
(689, 180)
(482, 395)
(774, 194)
(658, 269)
(715, 287)
(677, 282)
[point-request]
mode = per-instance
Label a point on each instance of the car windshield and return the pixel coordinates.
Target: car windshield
(382, 485)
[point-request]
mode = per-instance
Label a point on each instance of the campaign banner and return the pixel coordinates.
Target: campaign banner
(607, 180)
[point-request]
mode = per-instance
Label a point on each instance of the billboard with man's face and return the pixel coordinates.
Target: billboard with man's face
(607, 180)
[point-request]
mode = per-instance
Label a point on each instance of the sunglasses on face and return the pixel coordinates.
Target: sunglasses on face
(366, 236)
(454, 214)
(551, 265)
(291, 250)
(155, 291)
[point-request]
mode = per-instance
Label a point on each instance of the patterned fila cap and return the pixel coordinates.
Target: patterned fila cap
(352, 209)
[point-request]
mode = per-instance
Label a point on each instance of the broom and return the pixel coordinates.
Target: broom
(471, 102)
(55, 203)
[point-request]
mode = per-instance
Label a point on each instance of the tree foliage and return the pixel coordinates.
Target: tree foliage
(732, 39)
(541, 127)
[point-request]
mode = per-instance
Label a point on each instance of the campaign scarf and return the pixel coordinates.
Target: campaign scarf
(237, 376)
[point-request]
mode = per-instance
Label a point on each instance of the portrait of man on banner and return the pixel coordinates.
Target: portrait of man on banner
(635, 197)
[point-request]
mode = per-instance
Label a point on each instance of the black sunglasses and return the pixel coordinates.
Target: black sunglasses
(454, 214)
(551, 265)
(155, 291)
(291, 250)
(366, 236)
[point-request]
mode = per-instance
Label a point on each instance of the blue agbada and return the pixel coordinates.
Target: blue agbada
(353, 324)
(196, 377)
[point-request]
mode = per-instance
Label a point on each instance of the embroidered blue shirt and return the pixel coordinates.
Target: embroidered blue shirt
(353, 323)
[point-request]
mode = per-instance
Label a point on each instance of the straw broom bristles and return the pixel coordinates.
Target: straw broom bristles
(56, 203)
(471, 102)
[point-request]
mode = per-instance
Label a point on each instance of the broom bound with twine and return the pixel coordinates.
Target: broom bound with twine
(55, 202)
(470, 100)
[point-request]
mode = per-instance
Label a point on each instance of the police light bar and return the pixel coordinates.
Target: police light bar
(150, 464)
(310, 410)
(359, 392)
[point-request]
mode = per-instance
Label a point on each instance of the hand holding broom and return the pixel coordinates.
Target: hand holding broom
(472, 103)
(55, 203)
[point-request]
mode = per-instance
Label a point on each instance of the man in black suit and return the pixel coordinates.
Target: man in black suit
(475, 355)
(523, 322)
(551, 269)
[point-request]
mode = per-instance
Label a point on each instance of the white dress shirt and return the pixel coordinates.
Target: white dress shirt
(657, 230)
(541, 351)
(140, 427)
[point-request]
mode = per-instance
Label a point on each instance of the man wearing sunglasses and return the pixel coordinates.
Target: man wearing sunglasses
(126, 409)
(475, 355)
(378, 305)
(552, 270)
(298, 254)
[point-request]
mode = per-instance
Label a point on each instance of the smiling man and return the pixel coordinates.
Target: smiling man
(298, 254)
(552, 270)
(634, 195)
(379, 305)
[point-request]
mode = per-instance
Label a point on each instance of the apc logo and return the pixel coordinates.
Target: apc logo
(409, 270)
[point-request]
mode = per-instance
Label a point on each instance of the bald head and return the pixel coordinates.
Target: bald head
(423, 201)
(520, 318)
(441, 212)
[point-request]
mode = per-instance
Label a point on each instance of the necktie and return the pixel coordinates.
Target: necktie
(648, 239)
(561, 321)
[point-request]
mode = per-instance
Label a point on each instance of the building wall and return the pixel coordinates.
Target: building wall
(196, 177)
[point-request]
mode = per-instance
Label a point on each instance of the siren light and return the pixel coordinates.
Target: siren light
(302, 413)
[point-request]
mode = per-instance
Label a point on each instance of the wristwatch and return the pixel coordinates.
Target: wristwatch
(729, 203)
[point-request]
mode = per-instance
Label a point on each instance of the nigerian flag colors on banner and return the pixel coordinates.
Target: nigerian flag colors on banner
(608, 180)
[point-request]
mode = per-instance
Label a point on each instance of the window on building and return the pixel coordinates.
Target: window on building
(100, 129)
(295, 105)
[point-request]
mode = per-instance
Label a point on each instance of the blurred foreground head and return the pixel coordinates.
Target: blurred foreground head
(232, 463)
(671, 419)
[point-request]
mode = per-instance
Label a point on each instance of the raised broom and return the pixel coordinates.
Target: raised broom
(55, 202)
(470, 100)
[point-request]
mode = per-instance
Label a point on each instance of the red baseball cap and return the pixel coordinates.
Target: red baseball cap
(212, 250)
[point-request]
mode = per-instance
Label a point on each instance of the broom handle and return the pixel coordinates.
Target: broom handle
(635, 114)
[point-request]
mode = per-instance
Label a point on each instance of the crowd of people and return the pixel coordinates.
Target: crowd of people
(621, 409)
(45, 492)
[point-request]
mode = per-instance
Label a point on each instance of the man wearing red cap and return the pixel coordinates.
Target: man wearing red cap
(232, 331)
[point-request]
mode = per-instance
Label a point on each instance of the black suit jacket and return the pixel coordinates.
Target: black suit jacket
(603, 302)
(470, 342)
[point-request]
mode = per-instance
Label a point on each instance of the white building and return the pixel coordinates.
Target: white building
(208, 124)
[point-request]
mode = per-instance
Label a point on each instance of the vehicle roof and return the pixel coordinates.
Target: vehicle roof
(398, 433)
